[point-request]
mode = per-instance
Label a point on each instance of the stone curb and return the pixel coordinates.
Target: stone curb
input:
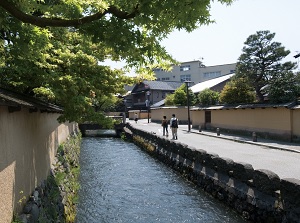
(246, 141)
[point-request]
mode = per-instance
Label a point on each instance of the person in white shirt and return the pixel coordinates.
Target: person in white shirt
(174, 126)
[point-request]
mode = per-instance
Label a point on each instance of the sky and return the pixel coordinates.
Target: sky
(222, 42)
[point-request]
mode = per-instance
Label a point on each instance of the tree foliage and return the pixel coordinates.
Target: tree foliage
(169, 100)
(208, 97)
(261, 61)
(57, 66)
(180, 96)
(55, 49)
(283, 88)
(237, 91)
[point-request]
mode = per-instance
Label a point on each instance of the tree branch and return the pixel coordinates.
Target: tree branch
(58, 22)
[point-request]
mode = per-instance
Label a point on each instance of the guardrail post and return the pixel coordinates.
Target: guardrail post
(218, 131)
(254, 137)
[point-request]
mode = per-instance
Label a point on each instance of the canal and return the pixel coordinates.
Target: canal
(121, 183)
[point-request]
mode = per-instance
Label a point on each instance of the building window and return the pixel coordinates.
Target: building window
(212, 74)
(165, 79)
(186, 77)
(185, 68)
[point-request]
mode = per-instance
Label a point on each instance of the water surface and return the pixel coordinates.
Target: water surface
(121, 183)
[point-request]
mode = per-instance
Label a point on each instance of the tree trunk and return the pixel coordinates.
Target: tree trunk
(259, 94)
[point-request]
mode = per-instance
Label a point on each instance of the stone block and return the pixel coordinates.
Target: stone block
(243, 171)
(191, 153)
(200, 155)
(182, 149)
(224, 165)
(290, 195)
(266, 181)
(290, 192)
(209, 159)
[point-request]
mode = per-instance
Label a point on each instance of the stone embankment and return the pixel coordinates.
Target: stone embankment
(56, 198)
(256, 194)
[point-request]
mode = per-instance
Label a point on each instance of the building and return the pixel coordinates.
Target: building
(194, 71)
(215, 84)
(151, 92)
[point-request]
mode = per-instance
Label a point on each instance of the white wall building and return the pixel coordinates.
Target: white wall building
(194, 71)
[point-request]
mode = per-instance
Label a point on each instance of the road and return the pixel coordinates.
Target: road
(278, 157)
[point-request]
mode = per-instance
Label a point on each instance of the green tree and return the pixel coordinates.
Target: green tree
(237, 91)
(283, 88)
(180, 96)
(55, 49)
(261, 61)
(57, 65)
(297, 78)
(208, 97)
(169, 100)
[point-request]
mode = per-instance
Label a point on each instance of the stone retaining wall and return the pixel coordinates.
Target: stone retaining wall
(258, 195)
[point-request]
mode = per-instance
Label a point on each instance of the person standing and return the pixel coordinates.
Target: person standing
(174, 126)
(135, 117)
(165, 126)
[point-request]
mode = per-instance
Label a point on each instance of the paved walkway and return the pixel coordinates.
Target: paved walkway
(280, 157)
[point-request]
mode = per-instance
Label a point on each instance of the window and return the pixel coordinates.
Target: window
(212, 74)
(185, 68)
(186, 77)
(165, 79)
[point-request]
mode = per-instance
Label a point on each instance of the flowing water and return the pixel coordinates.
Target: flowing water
(121, 183)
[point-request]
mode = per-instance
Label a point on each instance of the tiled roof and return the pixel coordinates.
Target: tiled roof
(14, 99)
(289, 105)
(163, 85)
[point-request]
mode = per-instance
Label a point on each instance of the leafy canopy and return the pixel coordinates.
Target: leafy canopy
(237, 91)
(261, 61)
(208, 97)
(180, 96)
(283, 88)
(169, 100)
(53, 49)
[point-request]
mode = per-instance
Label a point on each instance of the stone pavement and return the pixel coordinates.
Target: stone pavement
(282, 158)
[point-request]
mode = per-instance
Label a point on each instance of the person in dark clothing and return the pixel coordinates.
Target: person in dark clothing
(165, 126)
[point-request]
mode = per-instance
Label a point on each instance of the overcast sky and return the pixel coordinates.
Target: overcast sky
(222, 42)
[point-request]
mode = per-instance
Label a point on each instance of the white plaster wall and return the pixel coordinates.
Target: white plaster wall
(180, 112)
(281, 121)
(296, 122)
